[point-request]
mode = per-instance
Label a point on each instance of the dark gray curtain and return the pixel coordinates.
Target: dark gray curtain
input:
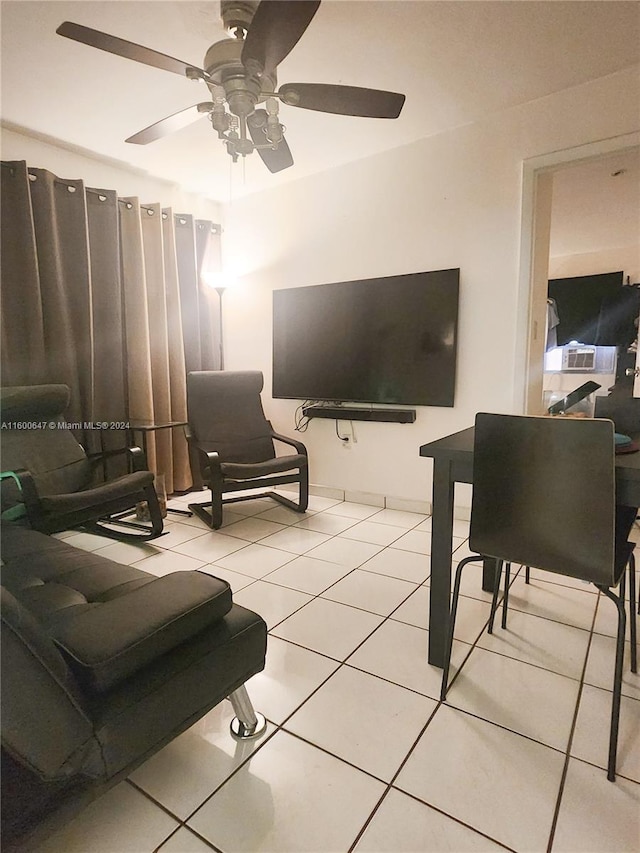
(200, 318)
(111, 307)
(61, 308)
(23, 334)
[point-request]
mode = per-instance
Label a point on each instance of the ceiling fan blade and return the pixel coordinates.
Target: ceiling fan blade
(128, 49)
(274, 31)
(343, 100)
(170, 124)
(275, 159)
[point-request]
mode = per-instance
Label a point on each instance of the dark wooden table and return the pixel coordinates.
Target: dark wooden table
(453, 463)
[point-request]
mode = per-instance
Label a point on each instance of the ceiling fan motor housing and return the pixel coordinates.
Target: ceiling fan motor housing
(224, 67)
(237, 14)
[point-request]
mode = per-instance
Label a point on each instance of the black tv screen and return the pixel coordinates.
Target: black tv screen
(595, 309)
(381, 340)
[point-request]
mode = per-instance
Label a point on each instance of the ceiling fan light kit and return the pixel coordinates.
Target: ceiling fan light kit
(240, 73)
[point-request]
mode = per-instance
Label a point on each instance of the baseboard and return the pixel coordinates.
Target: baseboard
(460, 513)
(326, 492)
(367, 498)
(407, 505)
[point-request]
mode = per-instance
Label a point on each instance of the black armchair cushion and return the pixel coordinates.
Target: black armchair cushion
(48, 477)
(226, 415)
(56, 461)
(115, 490)
(110, 641)
(238, 471)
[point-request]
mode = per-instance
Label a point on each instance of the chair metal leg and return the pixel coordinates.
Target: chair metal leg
(619, 601)
(527, 574)
(496, 593)
(452, 624)
(505, 600)
(632, 613)
(247, 723)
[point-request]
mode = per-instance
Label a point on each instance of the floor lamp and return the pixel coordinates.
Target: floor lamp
(220, 291)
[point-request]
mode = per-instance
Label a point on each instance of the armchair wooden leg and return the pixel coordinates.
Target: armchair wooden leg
(147, 533)
(206, 514)
(303, 499)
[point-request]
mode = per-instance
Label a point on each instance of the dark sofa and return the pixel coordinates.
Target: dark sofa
(102, 665)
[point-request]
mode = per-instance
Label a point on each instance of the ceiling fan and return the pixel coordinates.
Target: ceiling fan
(240, 72)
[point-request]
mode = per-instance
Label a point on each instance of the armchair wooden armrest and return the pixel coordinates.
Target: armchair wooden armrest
(299, 446)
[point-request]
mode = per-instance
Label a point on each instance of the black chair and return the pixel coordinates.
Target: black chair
(544, 496)
(50, 481)
(233, 442)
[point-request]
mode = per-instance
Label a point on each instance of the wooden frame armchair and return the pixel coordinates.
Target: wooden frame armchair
(50, 481)
(233, 443)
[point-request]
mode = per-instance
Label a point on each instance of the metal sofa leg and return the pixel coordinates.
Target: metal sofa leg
(247, 723)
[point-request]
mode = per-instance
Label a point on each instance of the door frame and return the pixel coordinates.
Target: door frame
(537, 179)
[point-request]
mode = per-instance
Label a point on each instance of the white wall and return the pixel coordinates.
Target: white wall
(453, 200)
(103, 174)
(625, 258)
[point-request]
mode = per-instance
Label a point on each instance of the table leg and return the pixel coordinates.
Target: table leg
(441, 542)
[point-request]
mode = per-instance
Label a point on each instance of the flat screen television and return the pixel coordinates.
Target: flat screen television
(595, 309)
(380, 340)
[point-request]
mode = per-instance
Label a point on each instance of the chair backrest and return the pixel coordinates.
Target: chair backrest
(544, 494)
(226, 415)
(35, 437)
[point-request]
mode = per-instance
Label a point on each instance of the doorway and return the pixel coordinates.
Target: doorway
(538, 264)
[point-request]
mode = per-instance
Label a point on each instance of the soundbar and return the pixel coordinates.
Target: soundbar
(350, 413)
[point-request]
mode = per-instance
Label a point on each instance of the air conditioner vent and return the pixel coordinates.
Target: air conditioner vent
(579, 358)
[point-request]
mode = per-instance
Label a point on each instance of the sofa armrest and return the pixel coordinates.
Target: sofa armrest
(114, 639)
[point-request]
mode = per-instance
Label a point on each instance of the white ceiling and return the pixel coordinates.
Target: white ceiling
(456, 61)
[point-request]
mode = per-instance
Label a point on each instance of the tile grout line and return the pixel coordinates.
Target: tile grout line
(344, 663)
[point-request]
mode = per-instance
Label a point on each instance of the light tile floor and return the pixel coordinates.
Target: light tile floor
(359, 754)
